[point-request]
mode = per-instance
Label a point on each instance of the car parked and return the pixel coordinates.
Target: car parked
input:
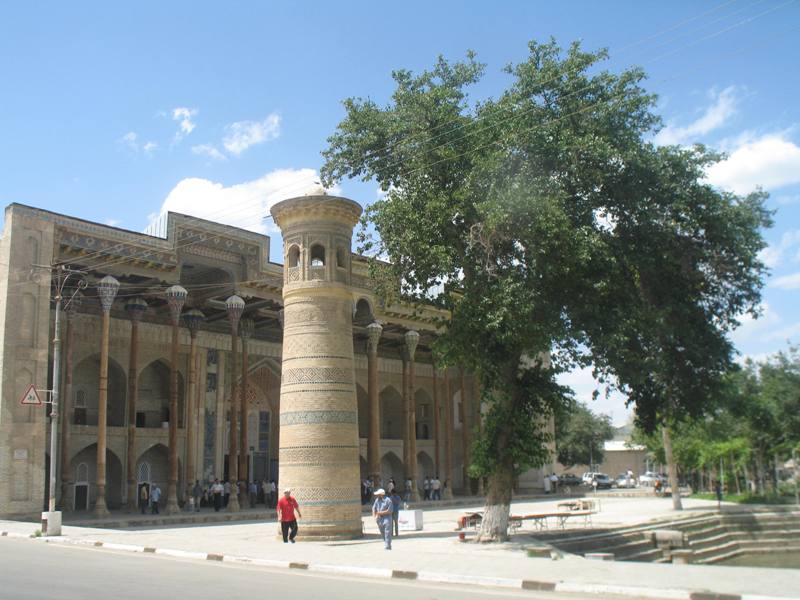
(569, 479)
(602, 480)
(650, 478)
(588, 476)
(625, 481)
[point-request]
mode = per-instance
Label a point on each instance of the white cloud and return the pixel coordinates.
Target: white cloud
(242, 205)
(771, 161)
(131, 141)
(584, 384)
(209, 151)
(184, 117)
(723, 107)
(773, 255)
(787, 282)
(244, 134)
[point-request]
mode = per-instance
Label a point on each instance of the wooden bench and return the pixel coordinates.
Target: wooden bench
(561, 517)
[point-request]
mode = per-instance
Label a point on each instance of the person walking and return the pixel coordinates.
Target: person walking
(227, 495)
(143, 497)
(286, 509)
(396, 502)
(155, 496)
(436, 488)
(197, 493)
(426, 488)
(265, 492)
(382, 510)
(273, 494)
(253, 491)
(217, 490)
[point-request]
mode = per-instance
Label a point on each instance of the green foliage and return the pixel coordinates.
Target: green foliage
(551, 229)
(580, 435)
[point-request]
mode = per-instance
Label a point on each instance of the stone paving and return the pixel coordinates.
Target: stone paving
(435, 553)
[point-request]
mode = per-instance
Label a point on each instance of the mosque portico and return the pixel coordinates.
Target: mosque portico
(308, 316)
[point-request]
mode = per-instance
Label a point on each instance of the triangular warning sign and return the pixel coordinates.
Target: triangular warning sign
(31, 396)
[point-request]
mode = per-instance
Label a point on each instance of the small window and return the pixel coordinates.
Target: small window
(317, 256)
(341, 258)
(293, 257)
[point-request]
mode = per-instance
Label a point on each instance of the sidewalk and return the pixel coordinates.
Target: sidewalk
(435, 554)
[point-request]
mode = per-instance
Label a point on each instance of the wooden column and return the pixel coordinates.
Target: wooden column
(107, 290)
(466, 431)
(235, 306)
(221, 422)
(448, 437)
(176, 295)
(374, 331)
(193, 318)
(412, 339)
(246, 327)
(436, 424)
(135, 308)
(66, 403)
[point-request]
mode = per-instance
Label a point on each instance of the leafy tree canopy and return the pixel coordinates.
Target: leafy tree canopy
(556, 234)
(580, 434)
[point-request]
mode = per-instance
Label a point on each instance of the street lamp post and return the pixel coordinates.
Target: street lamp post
(51, 520)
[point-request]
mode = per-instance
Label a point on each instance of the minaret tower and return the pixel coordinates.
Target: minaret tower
(319, 458)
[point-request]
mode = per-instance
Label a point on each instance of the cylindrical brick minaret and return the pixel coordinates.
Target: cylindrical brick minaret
(319, 457)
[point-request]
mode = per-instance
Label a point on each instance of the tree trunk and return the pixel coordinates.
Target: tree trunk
(494, 527)
(760, 470)
(672, 468)
(736, 475)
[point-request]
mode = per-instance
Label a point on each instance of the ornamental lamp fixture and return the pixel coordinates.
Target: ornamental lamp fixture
(176, 296)
(107, 290)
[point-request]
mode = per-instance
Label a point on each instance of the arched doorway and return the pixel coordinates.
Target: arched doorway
(392, 466)
(86, 377)
(425, 467)
(84, 465)
(424, 416)
(392, 415)
(152, 408)
(80, 498)
(143, 479)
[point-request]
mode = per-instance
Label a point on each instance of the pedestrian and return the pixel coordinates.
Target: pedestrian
(436, 488)
(143, 497)
(554, 483)
(265, 492)
(547, 484)
(155, 496)
(718, 492)
(218, 491)
(391, 486)
(407, 495)
(273, 494)
(426, 488)
(197, 493)
(253, 491)
(286, 509)
(382, 510)
(227, 493)
(396, 502)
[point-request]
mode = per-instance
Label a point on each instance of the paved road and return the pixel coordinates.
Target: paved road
(35, 571)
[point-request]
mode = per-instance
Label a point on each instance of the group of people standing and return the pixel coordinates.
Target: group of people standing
(218, 493)
(431, 488)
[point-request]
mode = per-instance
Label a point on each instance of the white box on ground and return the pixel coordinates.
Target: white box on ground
(410, 520)
(51, 523)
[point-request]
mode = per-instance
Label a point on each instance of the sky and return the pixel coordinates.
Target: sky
(118, 112)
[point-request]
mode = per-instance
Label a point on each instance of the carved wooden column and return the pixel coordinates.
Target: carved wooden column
(193, 318)
(135, 308)
(448, 437)
(235, 307)
(436, 424)
(246, 327)
(66, 410)
(374, 331)
(176, 296)
(466, 430)
(107, 291)
(220, 422)
(412, 339)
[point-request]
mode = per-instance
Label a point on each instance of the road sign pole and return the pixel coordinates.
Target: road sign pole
(54, 407)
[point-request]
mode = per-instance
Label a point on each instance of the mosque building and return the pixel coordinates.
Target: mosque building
(194, 355)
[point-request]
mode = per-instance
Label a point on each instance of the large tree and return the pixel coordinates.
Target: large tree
(556, 235)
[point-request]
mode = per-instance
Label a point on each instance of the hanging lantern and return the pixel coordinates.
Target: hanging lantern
(176, 296)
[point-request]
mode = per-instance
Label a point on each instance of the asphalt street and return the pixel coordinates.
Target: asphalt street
(36, 571)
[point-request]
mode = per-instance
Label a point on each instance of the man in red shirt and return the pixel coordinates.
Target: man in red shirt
(286, 507)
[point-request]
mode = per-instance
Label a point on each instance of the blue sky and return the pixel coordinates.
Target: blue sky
(116, 112)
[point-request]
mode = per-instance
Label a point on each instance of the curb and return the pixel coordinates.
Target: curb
(428, 577)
